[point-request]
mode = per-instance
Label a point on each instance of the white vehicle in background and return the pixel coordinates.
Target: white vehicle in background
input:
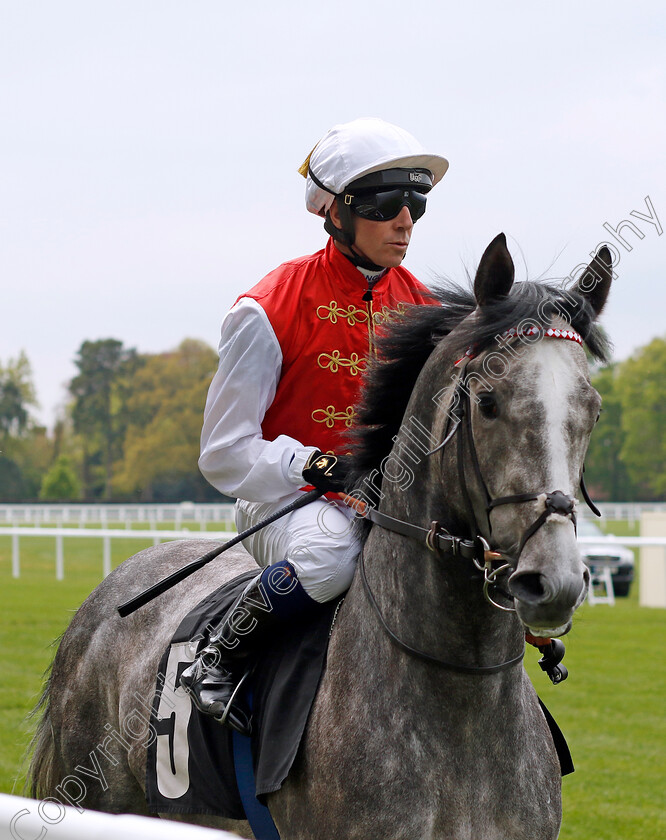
(605, 554)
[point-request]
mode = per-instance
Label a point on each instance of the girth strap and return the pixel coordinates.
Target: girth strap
(435, 539)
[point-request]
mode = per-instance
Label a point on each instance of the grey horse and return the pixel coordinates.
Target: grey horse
(470, 444)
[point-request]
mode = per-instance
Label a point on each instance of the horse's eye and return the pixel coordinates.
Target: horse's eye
(487, 404)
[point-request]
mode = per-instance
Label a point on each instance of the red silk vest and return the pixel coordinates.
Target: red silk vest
(326, 332)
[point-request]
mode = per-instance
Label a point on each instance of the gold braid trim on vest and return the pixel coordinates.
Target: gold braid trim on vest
(329, 416)
(352, 314)
(333, 361)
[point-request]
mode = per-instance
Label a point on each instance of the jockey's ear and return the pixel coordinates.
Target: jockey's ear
(595, 282)
(494, 276)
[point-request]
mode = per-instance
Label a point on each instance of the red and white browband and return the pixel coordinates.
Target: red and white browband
(516, 332)
(551, 332)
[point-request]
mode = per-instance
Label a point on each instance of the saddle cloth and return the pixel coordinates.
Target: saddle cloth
(190, 767)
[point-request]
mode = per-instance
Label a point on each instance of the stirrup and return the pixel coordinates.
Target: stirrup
(237, 718)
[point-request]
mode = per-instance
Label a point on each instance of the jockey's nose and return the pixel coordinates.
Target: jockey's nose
(404, 219)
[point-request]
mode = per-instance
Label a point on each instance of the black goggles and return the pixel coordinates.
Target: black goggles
(385, 205)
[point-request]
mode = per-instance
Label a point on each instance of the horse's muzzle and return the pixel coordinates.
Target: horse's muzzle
(547, 600)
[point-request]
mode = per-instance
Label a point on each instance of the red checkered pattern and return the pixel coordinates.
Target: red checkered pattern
(570, 335)
(515, 332)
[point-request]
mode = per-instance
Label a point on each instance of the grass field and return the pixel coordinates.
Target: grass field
(611, 708)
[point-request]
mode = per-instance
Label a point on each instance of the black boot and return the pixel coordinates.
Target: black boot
(214, 679)
(214, 689)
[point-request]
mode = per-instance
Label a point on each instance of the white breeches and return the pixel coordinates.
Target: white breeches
(319, 540)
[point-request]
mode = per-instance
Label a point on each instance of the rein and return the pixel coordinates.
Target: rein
(480, 670)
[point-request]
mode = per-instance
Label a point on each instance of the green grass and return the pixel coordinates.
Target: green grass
(35, 610)
(611, 708)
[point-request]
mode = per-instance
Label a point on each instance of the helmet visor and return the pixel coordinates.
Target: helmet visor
(385, 205)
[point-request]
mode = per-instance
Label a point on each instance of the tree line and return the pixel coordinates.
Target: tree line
(131, 428)
(626, 460)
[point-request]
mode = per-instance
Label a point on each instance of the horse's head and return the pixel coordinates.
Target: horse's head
(477, 416)
(524, 407)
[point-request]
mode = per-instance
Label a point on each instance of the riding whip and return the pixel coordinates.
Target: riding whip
(161, 586)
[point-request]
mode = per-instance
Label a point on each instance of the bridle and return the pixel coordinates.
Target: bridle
(554, 502)
(476, 549)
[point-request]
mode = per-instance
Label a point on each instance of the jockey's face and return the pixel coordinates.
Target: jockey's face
(382, 243)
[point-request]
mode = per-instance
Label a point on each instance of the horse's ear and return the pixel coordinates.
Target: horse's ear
(494, 276)
(595, 282)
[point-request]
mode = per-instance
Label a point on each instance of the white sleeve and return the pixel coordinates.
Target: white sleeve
(234, 456)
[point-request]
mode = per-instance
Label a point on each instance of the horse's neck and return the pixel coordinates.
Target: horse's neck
(429, 608)
(432, 602)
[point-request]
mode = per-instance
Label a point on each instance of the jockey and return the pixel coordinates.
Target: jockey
(292, 352)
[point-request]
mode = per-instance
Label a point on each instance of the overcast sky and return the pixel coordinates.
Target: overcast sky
(149, 152)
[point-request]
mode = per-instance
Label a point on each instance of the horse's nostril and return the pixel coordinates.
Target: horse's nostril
(531, 588)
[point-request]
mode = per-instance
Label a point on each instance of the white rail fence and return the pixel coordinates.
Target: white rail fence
(59, 535)
(203, 513)
(30, 819)
(82, 515)
(105, 535)
(626, 511)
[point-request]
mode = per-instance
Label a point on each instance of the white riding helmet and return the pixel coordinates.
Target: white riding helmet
(354, 149)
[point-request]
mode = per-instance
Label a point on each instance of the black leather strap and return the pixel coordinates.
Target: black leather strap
(436, 540)
(512, 500)
(586, 496)
(319, 183)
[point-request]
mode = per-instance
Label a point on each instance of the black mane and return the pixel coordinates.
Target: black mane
(408, 341)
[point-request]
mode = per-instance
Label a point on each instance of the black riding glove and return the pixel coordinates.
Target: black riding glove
(327, 472)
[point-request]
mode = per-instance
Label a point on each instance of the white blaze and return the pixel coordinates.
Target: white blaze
(555, 387)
